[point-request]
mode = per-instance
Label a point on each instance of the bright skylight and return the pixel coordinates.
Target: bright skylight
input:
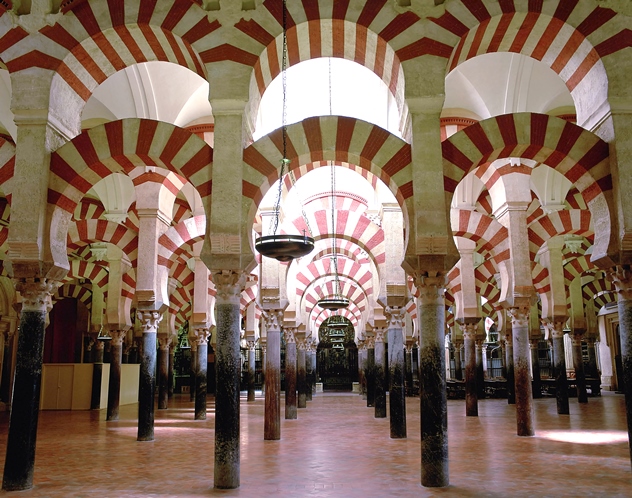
(308, 95)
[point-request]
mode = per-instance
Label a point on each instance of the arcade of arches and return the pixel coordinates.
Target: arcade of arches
(481, 209)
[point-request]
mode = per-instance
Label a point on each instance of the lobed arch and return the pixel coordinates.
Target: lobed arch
(119, 147)
(570, 36)
(581, 156)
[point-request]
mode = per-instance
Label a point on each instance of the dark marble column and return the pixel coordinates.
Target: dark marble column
(251, 370)
(408, 365)
(380, 374)
(309, 371)
(622, 278)
(458, 368)
(396, 366)
(301, 374)
(522, 372)
(315, 377)
(114, 386)
(272, 415)
(264, 362)
(21, 441)
(97, 376)
(229, 285)
(291, 411)
(163, 371)
(535, 366)
(170, 379)
(433, 399)
(471, 395)
(192, 366)
(578, 364)
(7, 368)
(480, 369)
(509, 364)
(149, 320)
(559, 365)
(201, 367)
(362, 357)
(593, 371)
(370, 373)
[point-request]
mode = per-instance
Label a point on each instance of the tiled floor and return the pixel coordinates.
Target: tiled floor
(336, 448)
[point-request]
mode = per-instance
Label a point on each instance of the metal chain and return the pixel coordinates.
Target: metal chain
(298, 194)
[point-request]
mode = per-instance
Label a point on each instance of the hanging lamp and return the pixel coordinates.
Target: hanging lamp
(336, 322)
(337, 301)
(283, 247)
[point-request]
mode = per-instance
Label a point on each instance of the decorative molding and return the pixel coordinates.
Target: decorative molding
(229, 285)
(272, 319)
(149, 320)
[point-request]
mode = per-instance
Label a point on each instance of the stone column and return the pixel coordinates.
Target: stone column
(522, 373)
(432, 382)
(362, 357)
(480, 368)
(164, 343)
(97, 376)
(251, 370)
(290, 373)
(7, 368)
(559, 366)
(593, 371)
(309, 370)
(578, 364)
(535, 365)
(22, 436)
(149, 320)
(370, 372)
(380, 374)
(172, 356)
(622, 278)
(397, 397)
(315, 377)
(408, 361)
(272, 373)
(301, 374)
(264, 362)
(192, 366)
(471, 395)
(201, 366)
(509, 362)
(116, 359)
(229, 285)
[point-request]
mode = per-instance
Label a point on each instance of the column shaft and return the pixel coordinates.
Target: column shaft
(535, 365)
(396, 366)
(301, 377)
(290, 377)
(114, 388)
(163, 377)
(200, 380)
(309, 373)
(272, 416)
(509, 362)
(522, 374)
(147, 387)
(471, 396)
(458, 367)
(97, 376)
(559, 365)
(370, 376)
(408, 360)
(380, 375)
(251, 372)
(580, 376)
(172, 351)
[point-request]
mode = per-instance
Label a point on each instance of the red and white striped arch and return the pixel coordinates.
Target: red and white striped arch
(351, 313)
(74, 291)
(579, 155)
(303, 169)
(577, 267)
(485, 281)
(348, 288)
(601, 289)
(80, 268)
(564, 222)
(541, 278)
(173, 241)
(7, 167)
(248, 295)
(490, 236)
(84, 232)
(330, 138)
(88, 209)
(309, 275)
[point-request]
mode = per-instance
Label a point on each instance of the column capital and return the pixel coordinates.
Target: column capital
(301, 345)
(395, 316)
(290, 335)
(519, 316)
(35, 292)
(621, 277)
(272, 318)
(229, 284)
(431, 287)
(200, 335)
(370, 343)
(469, 330)
(149, 320)
(251, 345)
(379, 334)
(164, 342)
(556, 326)
(118, 336)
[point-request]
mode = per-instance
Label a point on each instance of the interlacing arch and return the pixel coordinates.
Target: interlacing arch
(579, 155)
(119, 147)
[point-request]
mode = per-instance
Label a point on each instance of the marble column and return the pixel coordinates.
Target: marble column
(114, 387)
(201, 367)
(559, 366)
(97, 376)
(380, 373)
(7, 368)
(301, 374)
(622, 277)
(458, 368)
(172, 357)
(315, 376)
(408, 363)
(370, 373)
(192, 366)
(22, 436)
(433, 399)
(251, 370)
(149, 320)
(509, 365)
(522, 374)
(480, 369)
(593, 371)
(535, 368)
(163, 372)
(396, 367)
(578, 364)
(272, 414)
(290, 373)
(471, 396)
(229, 285)
(309, 371)
(264, 362)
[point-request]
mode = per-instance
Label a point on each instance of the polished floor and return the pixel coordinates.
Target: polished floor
(336, 448)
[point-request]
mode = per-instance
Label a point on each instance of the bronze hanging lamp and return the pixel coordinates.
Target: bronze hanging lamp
(337, 301)
(283, 247)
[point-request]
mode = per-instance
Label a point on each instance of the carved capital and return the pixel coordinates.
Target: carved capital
(621, 277)
(200, 335)
(301, 345)
(35, 292)
(431, 288)
(149, 320)
(469, 331)
(519, 316)
(370, 343)
(379, 335)
(164, 342)
(395, 316)
(556, 327)
(290, 335)
(118, 336)
(272, 319)
(229, 284)
(251, 345)
(100, 345)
